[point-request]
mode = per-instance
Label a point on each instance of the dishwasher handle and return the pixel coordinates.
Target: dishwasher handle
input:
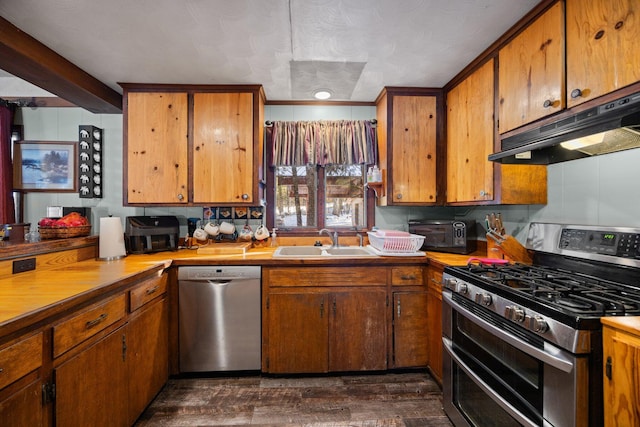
(219, 282)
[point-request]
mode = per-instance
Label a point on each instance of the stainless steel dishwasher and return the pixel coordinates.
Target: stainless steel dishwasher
(219, 318)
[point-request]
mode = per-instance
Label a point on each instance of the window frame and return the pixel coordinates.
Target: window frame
(369, 195)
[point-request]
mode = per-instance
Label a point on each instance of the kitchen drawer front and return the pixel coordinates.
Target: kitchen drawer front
(73, 331)
(407, 276)
(328, 276)
(20, 358)
(146, 291)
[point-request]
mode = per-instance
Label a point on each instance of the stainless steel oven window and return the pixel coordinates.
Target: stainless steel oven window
(531, 382)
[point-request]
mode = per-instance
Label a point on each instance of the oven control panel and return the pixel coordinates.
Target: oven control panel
(605, 242)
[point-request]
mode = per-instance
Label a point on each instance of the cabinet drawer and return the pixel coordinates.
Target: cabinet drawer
(327, 276)
(409, 275)
(73, 331)
(20, 358)
(146, 291)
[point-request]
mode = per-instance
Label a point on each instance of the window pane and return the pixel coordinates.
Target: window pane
(345, 204)
(295, 194)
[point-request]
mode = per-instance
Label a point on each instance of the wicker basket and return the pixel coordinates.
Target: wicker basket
(396, 244)
(64, 232)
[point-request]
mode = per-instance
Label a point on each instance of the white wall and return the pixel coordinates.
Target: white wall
(601, 191)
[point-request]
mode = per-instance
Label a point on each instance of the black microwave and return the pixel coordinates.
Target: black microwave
(446, 235)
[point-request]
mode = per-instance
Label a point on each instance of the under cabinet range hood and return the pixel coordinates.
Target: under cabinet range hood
(607, 128)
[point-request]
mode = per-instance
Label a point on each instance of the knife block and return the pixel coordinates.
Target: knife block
(510, 249)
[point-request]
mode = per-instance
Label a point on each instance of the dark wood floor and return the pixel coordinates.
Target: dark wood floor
(379, 400)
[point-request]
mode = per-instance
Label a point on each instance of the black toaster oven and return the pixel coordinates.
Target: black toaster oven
(446, 235)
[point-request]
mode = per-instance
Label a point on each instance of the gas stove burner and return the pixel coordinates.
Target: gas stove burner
(574, 304)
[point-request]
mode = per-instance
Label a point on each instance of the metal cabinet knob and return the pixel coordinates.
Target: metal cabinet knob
(399, 196)
(576, 93)
(245, 196)
(547, 103)
(180, 196)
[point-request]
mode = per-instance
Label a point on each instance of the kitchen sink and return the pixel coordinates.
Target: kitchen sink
(322, 252)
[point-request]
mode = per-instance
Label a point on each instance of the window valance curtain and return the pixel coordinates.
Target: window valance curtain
(323, 142)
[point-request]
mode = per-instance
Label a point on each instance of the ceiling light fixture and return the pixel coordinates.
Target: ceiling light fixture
(322, 94)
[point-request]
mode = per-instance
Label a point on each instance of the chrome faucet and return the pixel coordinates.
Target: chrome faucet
(334, 237)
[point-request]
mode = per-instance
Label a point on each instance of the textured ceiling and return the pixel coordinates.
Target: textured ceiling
(351, 47)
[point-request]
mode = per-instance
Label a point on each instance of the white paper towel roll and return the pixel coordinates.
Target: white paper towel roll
(111, 239)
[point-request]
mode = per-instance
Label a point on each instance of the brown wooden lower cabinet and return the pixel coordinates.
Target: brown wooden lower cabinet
(314, 331)
(99, 365)
(91, 388)
(358, 330)
(344, 318)
(324, 319)
(434, 314)
(147, 356)
(23, 407)
(621, 371)
(410, 329)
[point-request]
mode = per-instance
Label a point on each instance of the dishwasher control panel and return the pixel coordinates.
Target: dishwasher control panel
(210, 272)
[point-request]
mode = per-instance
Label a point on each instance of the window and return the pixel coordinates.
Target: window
(317, 175)
(313, 197)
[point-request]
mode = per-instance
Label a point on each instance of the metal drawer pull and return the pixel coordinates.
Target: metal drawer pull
(1, 370)
(90, 324)
(408, 277)
(152, 290)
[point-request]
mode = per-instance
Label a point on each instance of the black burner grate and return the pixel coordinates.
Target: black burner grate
(566, 291)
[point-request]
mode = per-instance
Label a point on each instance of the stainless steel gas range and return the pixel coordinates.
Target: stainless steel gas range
(523, 343)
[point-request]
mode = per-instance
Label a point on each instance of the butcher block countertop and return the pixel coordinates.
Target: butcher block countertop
(30, 298)
(630, 324)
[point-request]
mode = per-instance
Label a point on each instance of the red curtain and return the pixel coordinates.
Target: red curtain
(7, 211)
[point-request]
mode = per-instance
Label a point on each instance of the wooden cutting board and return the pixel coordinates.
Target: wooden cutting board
(224, 248)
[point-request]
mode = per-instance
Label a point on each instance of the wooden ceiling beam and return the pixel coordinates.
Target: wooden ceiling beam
(27, 58)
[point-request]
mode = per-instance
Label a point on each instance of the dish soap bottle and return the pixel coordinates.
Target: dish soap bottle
(274, 238)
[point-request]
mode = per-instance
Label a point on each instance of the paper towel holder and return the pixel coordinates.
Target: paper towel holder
(111, 239)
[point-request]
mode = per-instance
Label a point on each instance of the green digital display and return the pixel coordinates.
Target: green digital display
(607, 239)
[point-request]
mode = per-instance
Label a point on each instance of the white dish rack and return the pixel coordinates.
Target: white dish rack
(393, 245)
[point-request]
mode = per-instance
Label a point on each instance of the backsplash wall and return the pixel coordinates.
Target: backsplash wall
(598, 191)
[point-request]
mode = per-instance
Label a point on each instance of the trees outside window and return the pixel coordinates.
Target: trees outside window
(312, 197)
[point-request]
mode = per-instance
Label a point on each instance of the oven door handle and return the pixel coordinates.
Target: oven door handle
(510, 409)
(555, 360)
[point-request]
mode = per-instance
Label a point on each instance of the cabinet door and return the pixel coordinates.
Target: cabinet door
(434, 310)
(156, 148)
(358, 330)
(223, 148)
(413, 147)
(148, 355)
(622, 389)
(298, 332)
(410, 327)
(531, 72)
(470, 138)
(91, 388)
(602, 47)
(24, 408)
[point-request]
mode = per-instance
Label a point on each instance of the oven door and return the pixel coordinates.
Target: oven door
(498, 374)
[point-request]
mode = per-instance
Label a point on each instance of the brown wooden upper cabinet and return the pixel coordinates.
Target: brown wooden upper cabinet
(531, 72)
(155, 154)
(407, 134)
(223, 147)
(471, 177)
(602, 47)
(594, 52)
(192, 145)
